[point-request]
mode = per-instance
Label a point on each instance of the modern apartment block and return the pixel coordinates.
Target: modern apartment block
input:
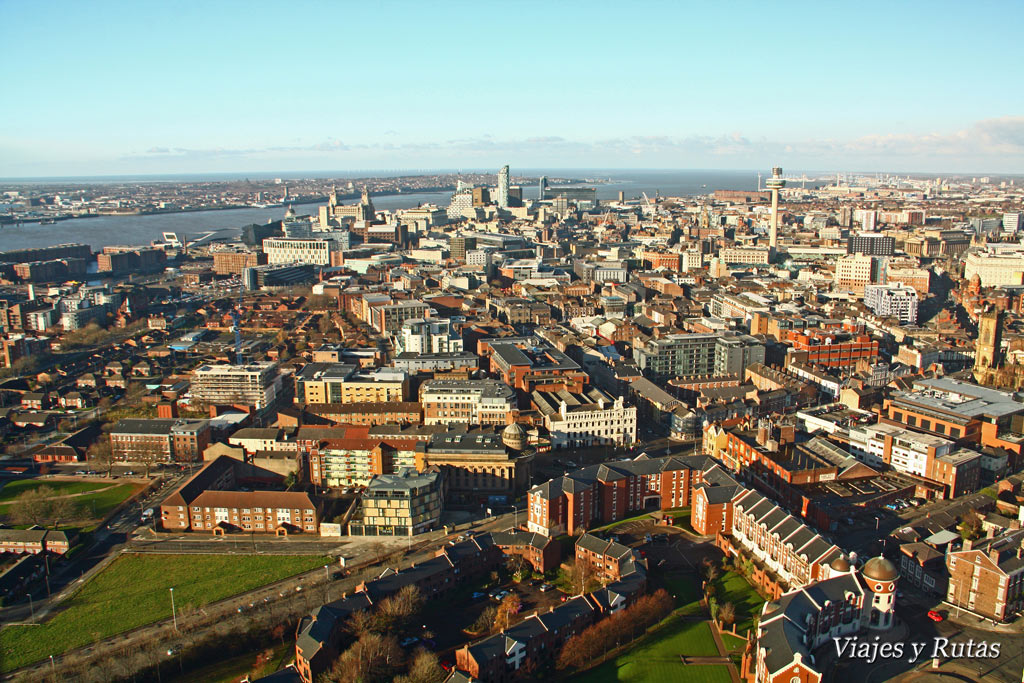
(390, 317)
(471, 402)
(958, 410)
(401, 504)
(871, 244)
(894, 300)
(427, 336)
(253, 384)
(688, 355)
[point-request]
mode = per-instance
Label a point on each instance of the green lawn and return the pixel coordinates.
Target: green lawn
(93, 506)
(134, 590)
(733, 588)
(732, 642)
(655, 657)
(681, 518)
(13, 489)
(686, 591)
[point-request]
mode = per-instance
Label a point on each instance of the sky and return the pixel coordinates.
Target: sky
(107, 88)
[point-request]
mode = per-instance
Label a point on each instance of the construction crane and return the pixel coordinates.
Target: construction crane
(648, 203)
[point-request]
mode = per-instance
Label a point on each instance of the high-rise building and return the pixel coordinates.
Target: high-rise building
(1012, 222)
(542, 187)
(871, 243)
(503, 182)
(775, 183)
(856, 271)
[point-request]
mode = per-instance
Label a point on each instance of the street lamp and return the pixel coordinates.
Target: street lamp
(53, 668)
(174, 614)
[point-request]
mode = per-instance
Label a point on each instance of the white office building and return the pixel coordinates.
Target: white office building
(285, 250)
(896, 300)
(253, 384)
(430, 335)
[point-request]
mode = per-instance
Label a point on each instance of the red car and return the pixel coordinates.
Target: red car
(934, 616)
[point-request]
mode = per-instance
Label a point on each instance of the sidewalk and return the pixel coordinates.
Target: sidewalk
(723, 653)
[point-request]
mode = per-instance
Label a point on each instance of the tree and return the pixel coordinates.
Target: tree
(508, 608)
(580, 577)
(970, 526)
(63, 509)
(101, 455)
(378, 550)
(424, 668)
(396, 611)
(362, 622)
(32, 506)
(727, 614)
(484, 622)
(148, 454)
(372, 658)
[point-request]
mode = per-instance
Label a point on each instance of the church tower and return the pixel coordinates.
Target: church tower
(990, 340)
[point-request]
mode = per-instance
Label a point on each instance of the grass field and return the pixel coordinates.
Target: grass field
(94, 506)
(134, 591)
(734, 588)
(731, 642)
(686, 591)
(656, 657)
(13, 489)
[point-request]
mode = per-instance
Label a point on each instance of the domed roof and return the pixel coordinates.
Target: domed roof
(514, 430)
(840, 564)
(880, 569)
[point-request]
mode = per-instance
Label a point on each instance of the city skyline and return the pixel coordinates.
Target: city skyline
(123, 88)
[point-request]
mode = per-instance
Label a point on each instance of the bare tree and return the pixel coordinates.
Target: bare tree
(424, 668)
(63, 509)
(362, 622)
(101, 455)
(370, 659)
(581, 576)
(32, 506)
(148, 455)
(395, 612)
(727, 614)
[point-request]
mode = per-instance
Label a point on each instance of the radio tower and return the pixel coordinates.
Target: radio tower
(775, 183)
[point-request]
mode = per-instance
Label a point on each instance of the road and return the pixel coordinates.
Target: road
(107, 542)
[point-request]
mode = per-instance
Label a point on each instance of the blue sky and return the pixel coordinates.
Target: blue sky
(177, 87)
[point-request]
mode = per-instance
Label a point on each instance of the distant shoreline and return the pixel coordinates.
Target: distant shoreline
(6, 220)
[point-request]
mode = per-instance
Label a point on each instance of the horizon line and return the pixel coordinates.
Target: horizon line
(412, 172)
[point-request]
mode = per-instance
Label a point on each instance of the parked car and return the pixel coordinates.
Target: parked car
(647, 538)
(478, 596)
(544, 588)
(408, 642)
(935, 616)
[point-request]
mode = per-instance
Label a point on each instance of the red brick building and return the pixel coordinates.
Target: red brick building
(600, 494)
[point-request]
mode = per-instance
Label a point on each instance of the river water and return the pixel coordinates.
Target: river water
(102, 231)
